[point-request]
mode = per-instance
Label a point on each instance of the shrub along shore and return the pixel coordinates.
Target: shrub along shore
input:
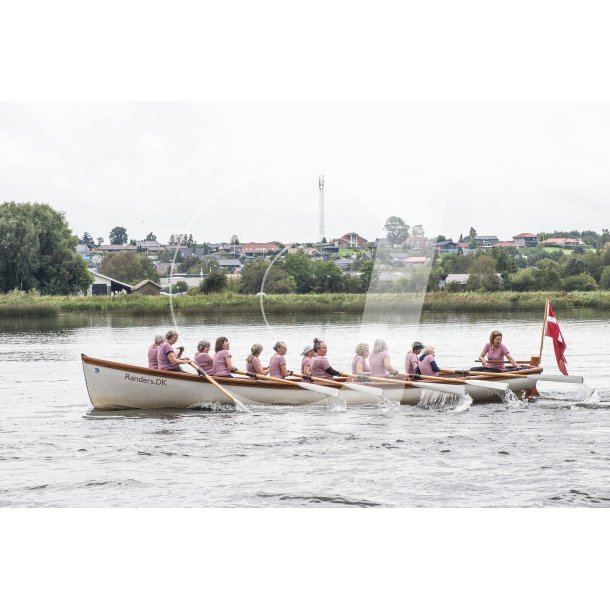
(25, 305)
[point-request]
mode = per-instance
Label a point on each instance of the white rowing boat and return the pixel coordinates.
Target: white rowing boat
(114, 385)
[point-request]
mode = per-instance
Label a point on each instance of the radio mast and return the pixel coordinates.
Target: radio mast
(321, 187)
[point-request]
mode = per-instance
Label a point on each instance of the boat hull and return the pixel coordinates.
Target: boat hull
(113, 385)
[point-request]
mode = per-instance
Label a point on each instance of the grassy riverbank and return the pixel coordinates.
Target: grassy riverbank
(25, 305)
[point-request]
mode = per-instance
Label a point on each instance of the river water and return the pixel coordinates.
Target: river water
(55, 450)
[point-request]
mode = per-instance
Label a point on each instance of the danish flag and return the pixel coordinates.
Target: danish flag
(552, 330)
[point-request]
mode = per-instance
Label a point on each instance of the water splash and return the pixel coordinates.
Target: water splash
(336, 404)
(510, 399)
(443, 401)
(588, 395)
(386, 405)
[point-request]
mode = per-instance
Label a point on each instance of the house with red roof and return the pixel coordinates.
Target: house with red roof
(528, 240)
(563, 242)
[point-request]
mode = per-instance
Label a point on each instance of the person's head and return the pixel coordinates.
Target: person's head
(280, 348)
(159, 339)
(362, 349)
(308, 351)
(380, 346)
(428, 350)
(319, 347)
(255, 351)
(203, 346)
(171, 336)
(221, 343)
(495, 338)
(417, 347)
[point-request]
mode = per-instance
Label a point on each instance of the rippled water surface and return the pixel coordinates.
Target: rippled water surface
(55, 450)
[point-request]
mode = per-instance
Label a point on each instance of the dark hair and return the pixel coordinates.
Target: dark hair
(494, 334)
(171, 333)
(316, 344)
(278, 344)
(219, 342)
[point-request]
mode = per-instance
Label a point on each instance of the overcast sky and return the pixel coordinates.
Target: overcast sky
(214, 169)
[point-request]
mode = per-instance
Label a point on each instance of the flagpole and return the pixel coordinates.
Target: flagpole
(546, 314)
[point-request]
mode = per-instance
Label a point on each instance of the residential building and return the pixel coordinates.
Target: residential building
(506, 244)
(112, 248)
(351, 240)
(252, 249)
(417, 261)
(308, 251)
(230, 265)
(562, 242)
(454, 278)
(150, 245)
(528, 240)
(486, 241)
(147, 287)
(446, 247)
(417, 243)
(103, 285)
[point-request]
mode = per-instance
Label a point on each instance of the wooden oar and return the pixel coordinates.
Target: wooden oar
(434, 387)
(492, 385)
(537, 376)
(365, 389)
(238, 403)
(299, 384)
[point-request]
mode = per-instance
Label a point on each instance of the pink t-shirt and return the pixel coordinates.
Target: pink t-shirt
(411, 363)
(152, 357)
(425, 365)
(204, 360)
(365, 365)
(319, 364)
(305, 362)
(495, 355)
(220, 365)
(163, 360)
(377, 366)
(274, 366)
(254, 366)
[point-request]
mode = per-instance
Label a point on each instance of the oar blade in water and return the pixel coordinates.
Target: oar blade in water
(492, 385)
(440, 387)
(559, 378)
(319, 388)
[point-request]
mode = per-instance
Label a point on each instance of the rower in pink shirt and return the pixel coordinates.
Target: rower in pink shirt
(223, 365)
(277, 364)
(253, 364)
(307, 354)
(360, 366)
(412, 359)
(494, 352)
(380, 360)
(203, 358)
(427, 363)
(153, 363)
(320, 366)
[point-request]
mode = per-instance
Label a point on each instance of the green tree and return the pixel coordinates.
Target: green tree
(129, 267)
(548, 276)
(87, 240)
(180, 286)
(524, 280)
(582, 282)
(574, 266)
(151, 237)
(604, 282)
(483, 275)
(276, 279)
(418, 231)
(215, 282)
(37, 251)
(396, 230)
(118, 236)
(300, 267)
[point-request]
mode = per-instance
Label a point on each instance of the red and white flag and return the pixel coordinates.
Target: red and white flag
(552, 330)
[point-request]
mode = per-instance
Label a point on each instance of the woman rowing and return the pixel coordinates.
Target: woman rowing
(166, 357)
(277, 364)
(380, 360)
(307, 354)
(412, 359)
(360, 366)
(223, 365)
(253, 364)
(427, 363)
(203, 358)
(320, 366)
(494, 352)
(152, 352)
